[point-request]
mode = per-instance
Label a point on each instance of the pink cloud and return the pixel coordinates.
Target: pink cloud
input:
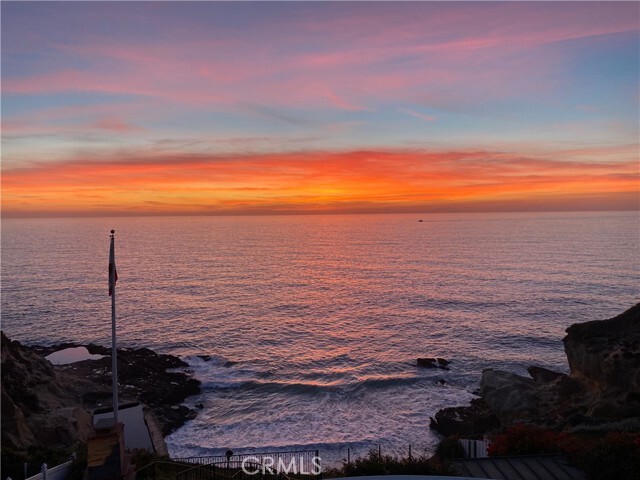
(118, 125)
(436, 51)
(426, 118)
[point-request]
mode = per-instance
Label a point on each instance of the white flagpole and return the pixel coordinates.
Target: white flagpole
(114, 351)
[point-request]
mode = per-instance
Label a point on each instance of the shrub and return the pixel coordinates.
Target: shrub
(12, 463)
(79, 465)
(526, 440)
(376, 464)
(615, 455)
(450, 448)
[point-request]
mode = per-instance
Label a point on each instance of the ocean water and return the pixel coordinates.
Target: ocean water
(312, 324)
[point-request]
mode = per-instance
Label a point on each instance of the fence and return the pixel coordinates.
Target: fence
(475, 448)
(378, 450)
(59, 472)
(250, 466)
(160, 470)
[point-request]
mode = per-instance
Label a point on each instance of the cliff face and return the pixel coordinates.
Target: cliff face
(603, 386)
(34, 397)
(604, 355)
(43, 405)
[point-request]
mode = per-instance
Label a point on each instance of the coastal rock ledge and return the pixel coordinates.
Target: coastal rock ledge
(604, 356)
(601, 392)
(47, 405)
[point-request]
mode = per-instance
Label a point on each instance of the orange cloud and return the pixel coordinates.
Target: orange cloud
(391, 180)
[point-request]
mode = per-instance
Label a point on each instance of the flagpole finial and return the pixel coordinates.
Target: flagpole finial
(113, 232)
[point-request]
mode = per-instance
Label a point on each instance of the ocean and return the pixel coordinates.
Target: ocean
(304, 330)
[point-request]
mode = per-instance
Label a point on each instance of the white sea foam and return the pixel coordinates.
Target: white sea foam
(280, 415)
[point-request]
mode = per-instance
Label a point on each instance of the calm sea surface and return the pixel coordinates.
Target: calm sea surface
(313, 323)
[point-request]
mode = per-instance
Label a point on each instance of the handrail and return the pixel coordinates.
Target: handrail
(284, 452)
(160, 461)
(232, 467)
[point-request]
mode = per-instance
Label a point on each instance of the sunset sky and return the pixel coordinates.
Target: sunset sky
(115, 108)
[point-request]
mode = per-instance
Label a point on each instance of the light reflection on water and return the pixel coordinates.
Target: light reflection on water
(314, 323)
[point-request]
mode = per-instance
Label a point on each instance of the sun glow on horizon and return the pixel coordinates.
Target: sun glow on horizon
(219, 108)
(311, 181)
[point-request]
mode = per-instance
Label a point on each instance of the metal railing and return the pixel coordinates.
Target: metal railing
(231, 472)
(302, 465)
(162, 470)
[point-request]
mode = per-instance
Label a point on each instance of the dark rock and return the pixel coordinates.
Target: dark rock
(633, 397)
(16, 432)
(33, 391)
(470, 421)
(431, 362)
(543, 375)
(569, 387)
(96, 398)
(174, 417)
(509, 396)
(578, 419)
(604, 355)
(32, 388)
(601, 392)
(427, 362)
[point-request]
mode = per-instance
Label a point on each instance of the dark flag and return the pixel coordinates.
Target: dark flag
(113, 274)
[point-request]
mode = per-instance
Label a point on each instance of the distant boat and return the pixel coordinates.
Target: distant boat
(420, 220)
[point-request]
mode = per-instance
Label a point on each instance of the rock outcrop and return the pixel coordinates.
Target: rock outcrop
(469, 421)
(604, 355)
(46, 405)
(432, 362)
(510, 397)
(33, 396)
(543, 375)
(602, 388)
(143, 375)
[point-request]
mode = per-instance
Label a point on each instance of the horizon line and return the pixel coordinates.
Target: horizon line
(43, 215)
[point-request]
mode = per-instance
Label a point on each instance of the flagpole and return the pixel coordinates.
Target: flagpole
(114, 350)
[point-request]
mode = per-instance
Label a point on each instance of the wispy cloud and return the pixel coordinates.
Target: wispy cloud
(413, 113)
(309, 180)
(205, 106)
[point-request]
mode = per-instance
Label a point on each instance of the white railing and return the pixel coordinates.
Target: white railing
(59, 472)
(475, 448)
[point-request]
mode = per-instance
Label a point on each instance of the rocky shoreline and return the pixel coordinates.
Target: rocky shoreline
(601, 392)
(46, 405)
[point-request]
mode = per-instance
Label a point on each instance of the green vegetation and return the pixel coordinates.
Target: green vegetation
(141, 458)
(376, 464)
(148, 465)
(450, 448)
(12, 463)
